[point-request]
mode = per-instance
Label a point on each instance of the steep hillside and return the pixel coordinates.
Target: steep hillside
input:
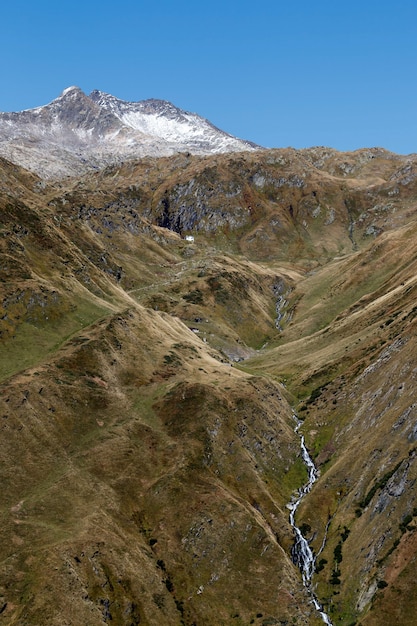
(348, 358)
(148, 384)
(133, 450)
(287, 205)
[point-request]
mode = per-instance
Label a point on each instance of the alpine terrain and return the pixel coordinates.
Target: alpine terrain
(207, 374)
(77, 133)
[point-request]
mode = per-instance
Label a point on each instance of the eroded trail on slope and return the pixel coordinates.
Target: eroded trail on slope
(302, 554)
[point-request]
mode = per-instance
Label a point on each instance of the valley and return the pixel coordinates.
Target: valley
(149, 383)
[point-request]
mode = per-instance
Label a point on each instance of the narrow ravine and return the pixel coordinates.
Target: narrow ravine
(302, 554)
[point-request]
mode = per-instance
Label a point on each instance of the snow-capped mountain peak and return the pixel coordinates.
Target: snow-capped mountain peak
(76, 132)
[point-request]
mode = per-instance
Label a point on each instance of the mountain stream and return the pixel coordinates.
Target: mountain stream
(302, 554)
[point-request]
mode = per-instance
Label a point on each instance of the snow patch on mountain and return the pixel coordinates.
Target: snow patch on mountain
(69, 89)
(162, 120)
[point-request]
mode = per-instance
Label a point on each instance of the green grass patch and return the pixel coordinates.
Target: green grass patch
(294, 478)
(143, 405)
(31, 344)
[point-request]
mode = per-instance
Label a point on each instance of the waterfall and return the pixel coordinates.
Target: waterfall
(302, 554)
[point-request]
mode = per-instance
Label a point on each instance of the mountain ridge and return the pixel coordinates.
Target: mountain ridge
(76, 133)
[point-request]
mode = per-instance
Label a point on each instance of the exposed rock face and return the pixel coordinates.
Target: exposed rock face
(77, 133)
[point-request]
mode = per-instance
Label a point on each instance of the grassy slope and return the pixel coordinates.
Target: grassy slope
(115, 414)
(120, 413)
(349, 356)
(128, 418)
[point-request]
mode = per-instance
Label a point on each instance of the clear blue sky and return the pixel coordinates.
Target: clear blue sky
(280, 73)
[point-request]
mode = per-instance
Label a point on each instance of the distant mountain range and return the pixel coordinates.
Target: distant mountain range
(76, 133)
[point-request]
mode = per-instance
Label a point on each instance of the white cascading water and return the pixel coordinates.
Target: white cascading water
(302, 554)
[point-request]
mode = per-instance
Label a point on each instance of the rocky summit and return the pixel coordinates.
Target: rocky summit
(77, 133)
(206, 354)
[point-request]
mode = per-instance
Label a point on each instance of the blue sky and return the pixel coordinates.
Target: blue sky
(280, 73)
